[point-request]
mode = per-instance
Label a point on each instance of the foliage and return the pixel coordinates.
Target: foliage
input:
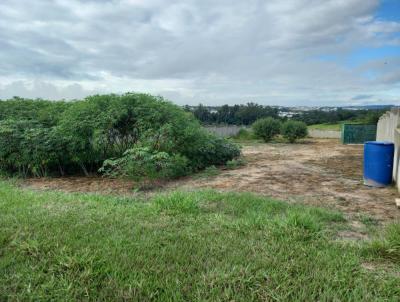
(244, 134)
(313, 117)
(40, 137)
(249, 113)
(293, 130)
(143, 163)
(180, 246)
(234, 115)
(266, 128)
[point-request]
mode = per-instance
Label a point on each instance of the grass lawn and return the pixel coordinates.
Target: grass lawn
(197, 246)
(336, 127)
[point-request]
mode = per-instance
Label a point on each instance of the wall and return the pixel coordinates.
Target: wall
(388, 130)
(231, 130)
(224, 131)
(315, 133)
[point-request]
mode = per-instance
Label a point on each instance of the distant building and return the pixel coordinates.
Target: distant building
(285, 113)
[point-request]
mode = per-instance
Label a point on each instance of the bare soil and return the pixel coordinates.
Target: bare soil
(319, 172)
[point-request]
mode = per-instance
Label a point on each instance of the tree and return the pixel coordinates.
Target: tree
(266, 128)
(293, 130)
(249, 113)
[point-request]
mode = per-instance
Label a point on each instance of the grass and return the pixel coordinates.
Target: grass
(335, 127)
(182, 246)
(208, 172)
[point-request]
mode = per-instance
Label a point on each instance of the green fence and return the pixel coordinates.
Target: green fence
(357, 134)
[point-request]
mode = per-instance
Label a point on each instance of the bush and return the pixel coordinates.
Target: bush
(293, 130)
(142, 163)
(43, 137)
(266, 128)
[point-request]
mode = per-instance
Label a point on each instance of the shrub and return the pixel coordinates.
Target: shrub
(266, 128)
(293, 130)
(39, 137)
(143, 163)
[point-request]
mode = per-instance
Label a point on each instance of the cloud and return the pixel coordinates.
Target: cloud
(209, 51)
(362, 97)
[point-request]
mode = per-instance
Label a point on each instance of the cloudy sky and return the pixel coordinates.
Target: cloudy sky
(292, 52)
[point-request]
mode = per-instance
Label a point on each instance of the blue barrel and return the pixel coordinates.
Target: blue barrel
(378, 163)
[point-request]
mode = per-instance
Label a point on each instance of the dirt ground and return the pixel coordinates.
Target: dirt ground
(320, 172)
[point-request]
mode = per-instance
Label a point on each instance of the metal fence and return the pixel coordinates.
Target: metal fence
(357, 134)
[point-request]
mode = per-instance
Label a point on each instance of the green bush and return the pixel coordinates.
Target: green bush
(142, 163)
(293, 130)
(43, 137)
(266, 128)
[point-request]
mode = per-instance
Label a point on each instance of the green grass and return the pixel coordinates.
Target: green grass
(335, 127)
(182, 246)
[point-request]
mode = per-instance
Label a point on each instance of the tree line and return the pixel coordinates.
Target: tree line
(249, 113)
(233, 115)
(370, 116)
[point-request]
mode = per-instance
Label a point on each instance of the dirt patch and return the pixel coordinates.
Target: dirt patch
(320, 172)
(82, 184)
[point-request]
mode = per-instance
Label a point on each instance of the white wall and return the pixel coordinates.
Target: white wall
(316, 133)
(224, 131)
(388, 130)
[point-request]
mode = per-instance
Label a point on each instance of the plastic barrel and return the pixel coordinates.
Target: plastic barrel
(378, 163)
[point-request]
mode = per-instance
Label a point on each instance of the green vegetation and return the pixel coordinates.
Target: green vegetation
(208, 172)
(244, 135)
(266, 128)
(389, 247)
(337, 126)
(334, 127)
(294, 130)
(180, 246)
(233, 115)
(40, 138)
(314, 117)
(249, 113)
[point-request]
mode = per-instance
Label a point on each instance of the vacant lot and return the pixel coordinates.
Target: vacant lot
(203, 245)
(318, 172)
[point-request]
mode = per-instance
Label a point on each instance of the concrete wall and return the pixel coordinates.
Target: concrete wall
(232, 130)
(315, 133)
(389, 130)
(224, 131)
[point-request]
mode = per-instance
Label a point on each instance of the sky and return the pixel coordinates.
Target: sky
(287, 53)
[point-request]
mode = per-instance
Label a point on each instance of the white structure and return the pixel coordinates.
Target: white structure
(389, 130)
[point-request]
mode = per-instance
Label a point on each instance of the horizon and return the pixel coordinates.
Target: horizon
(215, 106)
(323, 54)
